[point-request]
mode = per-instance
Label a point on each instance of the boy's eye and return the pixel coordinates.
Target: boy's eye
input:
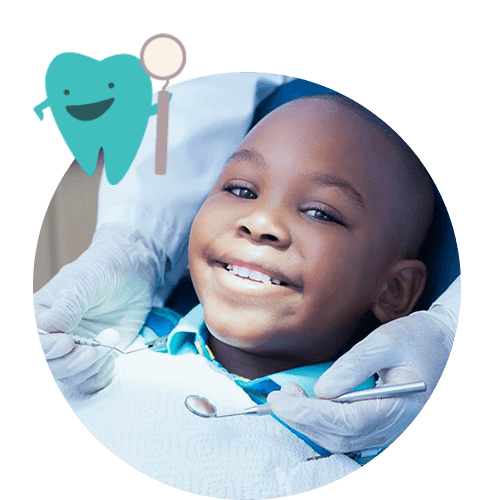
(317, 214)
(240, 191)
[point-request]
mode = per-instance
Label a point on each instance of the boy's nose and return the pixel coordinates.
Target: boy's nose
(264, 227)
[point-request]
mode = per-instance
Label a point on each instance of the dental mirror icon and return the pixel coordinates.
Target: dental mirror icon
(163, 57)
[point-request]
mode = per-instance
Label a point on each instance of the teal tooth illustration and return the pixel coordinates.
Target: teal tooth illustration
(100, 104)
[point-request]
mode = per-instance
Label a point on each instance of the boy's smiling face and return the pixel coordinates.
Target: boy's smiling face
(290, 248)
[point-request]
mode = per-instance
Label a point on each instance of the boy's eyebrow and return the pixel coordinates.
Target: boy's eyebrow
(334, 181)
(319, 178)
(250, 155)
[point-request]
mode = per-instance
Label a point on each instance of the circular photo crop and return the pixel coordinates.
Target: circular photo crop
(270, 314)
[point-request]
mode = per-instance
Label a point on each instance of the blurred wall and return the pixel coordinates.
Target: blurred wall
(68, 225)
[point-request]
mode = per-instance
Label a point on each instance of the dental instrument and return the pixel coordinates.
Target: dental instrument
(163, 57)
(202, 407)
(91, 342)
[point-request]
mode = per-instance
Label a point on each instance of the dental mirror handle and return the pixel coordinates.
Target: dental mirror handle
(258, 410)
(162, 131)
(388, 391)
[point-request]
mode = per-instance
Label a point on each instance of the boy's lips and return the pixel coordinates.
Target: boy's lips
(256, 270)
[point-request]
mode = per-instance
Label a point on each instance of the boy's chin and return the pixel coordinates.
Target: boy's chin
(241, 338)
(243, 333)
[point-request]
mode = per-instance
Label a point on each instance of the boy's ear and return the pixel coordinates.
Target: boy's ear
(400, 291)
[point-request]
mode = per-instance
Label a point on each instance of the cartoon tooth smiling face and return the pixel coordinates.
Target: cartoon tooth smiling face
(100, 104)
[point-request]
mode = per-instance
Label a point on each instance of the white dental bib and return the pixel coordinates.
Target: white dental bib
(142, 419)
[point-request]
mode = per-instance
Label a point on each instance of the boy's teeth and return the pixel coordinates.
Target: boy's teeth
(257, 276)
(243, 272)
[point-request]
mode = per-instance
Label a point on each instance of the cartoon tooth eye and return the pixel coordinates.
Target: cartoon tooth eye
(66, 92)
(111, 85)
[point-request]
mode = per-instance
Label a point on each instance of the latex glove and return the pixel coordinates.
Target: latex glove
(109, 285)
(405, 350)
(84, 368)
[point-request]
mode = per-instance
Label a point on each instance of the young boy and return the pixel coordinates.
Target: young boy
(312, 228)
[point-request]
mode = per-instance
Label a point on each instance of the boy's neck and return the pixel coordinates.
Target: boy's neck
(252, 366)
(246, 364)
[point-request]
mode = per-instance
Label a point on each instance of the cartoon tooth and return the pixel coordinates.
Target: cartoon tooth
(100, 104)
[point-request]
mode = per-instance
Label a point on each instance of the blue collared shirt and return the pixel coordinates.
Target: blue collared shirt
(189, 334)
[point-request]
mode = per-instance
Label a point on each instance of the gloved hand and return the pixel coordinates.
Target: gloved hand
(109, 285)
(87, 369)
(404, 350)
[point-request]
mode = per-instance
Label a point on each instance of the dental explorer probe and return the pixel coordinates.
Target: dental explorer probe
(202, 407)
(90, 342)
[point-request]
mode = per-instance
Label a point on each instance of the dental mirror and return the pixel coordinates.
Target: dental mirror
(202, 407)
(163, 57)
